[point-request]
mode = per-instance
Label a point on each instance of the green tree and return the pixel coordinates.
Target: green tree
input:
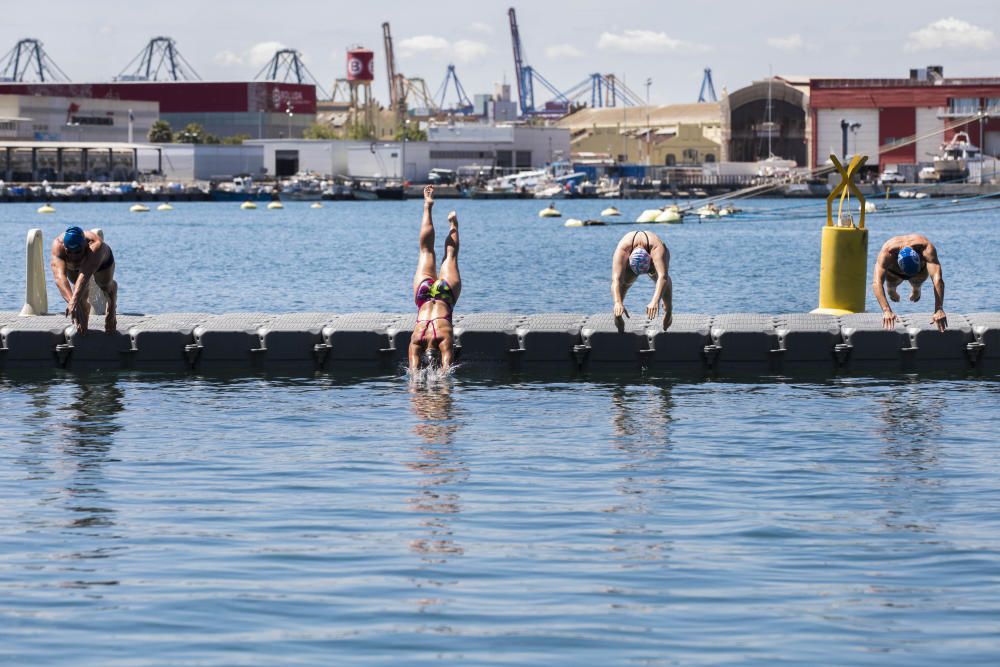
(235, 139)
(410, 132)
(320, 131)
(160, 133)
(359, 132)
(193, 133)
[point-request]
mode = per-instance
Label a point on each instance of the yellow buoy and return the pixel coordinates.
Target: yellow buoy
(138, 208)
(843, 268)
(164, 207)
(549, 212)
(275, 205)
(649, 215)
(248, 206)
(316, 205)
(610, 211)
(46, 208)
(671, 214)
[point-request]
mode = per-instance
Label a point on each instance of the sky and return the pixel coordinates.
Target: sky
(664, 42)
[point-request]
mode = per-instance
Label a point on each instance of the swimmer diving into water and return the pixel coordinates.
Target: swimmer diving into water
(909, 258)
(435, 293)
(641, 253)
(76, 256)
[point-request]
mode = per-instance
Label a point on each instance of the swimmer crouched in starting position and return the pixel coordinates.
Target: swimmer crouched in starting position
(641, 253)
(909, 258)
(76, 256)
(435, 293)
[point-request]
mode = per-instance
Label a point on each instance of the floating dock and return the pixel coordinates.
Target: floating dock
(377, 342)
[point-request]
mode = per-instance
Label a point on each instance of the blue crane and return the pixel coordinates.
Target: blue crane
(26, 57)
(287, 65)
(527, 76)
(606, 90)
(160, 54)
(706, 82)
(465, 105)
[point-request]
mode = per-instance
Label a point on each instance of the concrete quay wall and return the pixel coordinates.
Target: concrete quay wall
(377, 342)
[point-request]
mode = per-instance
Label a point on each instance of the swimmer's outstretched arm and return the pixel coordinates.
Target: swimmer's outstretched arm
(58, 266)
(617, 296)
(878, 288)
(661, 262)
(937, 279)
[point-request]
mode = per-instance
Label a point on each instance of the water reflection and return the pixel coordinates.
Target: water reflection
(88, 426)
(442, 471)
(641, 417)
(911, 426)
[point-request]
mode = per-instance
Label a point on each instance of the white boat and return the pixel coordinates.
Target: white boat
(952, 163)
(304, 186)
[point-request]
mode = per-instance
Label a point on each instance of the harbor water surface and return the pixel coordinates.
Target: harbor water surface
(490, 518)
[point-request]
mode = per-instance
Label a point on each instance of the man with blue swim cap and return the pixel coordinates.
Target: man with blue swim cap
(911, 258)
(637, 254)
(78, 256)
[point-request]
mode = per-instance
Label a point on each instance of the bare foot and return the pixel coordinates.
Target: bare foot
(894, 295)
(429, 194)
(668, 319)
(110, 323)
(915, 296)
(453, 218)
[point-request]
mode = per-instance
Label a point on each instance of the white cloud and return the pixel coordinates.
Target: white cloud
(260, 53)
(422, 44)
(228, 58)
(644, 41)
(563, 51)
(950, 33)
(467, 51)
(481, 27)
(791, 42)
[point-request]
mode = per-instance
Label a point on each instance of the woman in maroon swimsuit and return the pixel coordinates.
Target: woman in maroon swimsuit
(435, 293)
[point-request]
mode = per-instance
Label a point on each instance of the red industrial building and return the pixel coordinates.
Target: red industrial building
(259, 109)
(921, 112)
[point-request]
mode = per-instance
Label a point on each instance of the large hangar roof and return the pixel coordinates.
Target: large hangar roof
(668, 114)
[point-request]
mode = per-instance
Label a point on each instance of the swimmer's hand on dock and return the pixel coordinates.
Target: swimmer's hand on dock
(619, 322)
(888, 320)
(940, 319)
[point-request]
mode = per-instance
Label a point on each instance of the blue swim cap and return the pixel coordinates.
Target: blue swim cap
(909, 261)
(74, 239)
(639, 261)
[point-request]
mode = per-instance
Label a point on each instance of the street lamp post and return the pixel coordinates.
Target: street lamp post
(289, 110)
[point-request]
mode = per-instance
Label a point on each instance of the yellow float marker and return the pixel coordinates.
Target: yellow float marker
(843, 268)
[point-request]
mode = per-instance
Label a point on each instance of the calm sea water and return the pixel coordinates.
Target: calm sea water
(153, 519)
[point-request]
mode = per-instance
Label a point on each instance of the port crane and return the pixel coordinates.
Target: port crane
(706, 84)
(287, 65)
(527, 76)
(28, 58)
(396, 81)
(465, 105)
(160, 54)
(606, 90)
